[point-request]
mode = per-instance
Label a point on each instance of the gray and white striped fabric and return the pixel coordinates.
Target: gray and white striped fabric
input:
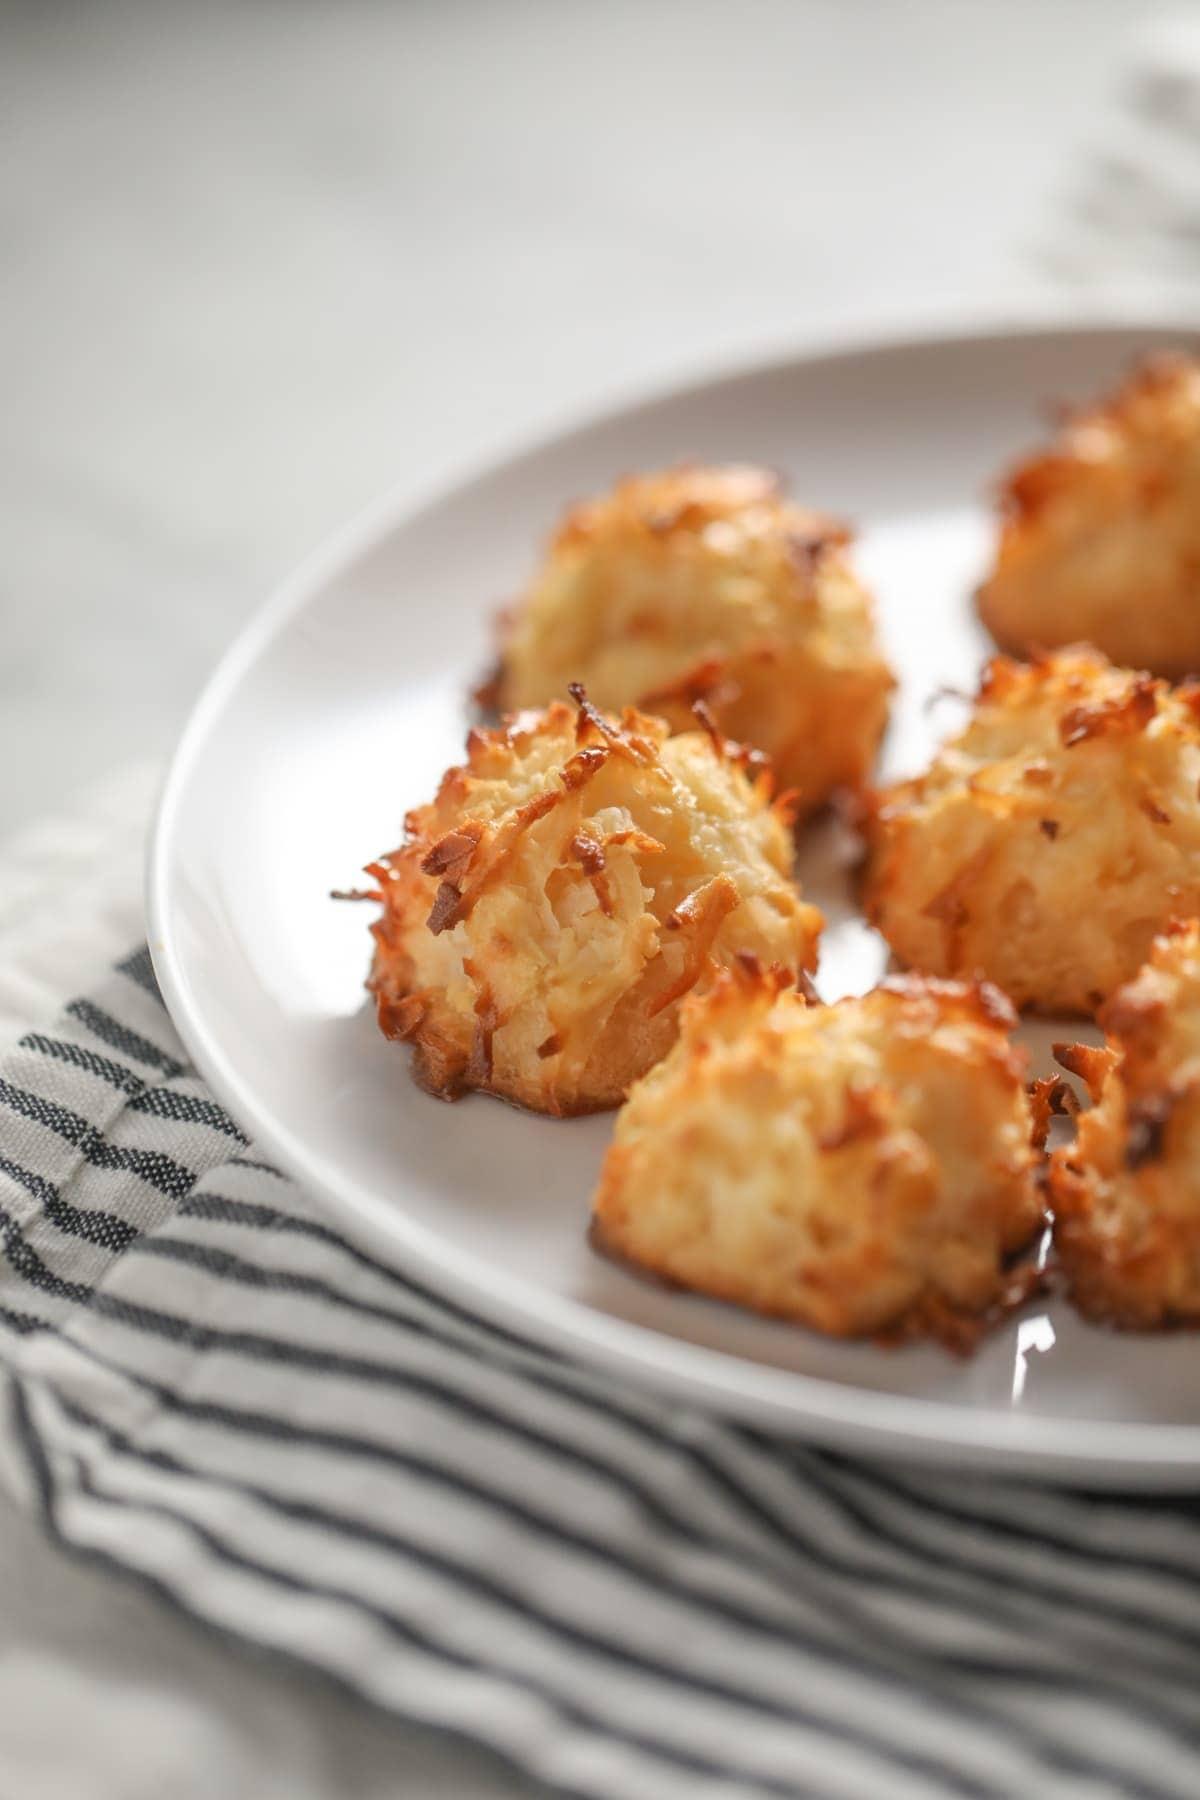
(214, 1391)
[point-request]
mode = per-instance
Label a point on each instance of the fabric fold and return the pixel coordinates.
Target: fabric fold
(214, 1390)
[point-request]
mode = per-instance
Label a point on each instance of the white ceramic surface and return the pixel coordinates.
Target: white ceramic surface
(341, 706)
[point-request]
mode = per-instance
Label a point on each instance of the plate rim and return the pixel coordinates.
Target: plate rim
(817, 1409)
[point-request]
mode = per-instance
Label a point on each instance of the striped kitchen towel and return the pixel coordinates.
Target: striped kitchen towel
(215, 1392)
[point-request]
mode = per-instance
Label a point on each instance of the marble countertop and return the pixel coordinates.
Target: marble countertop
(264, 261)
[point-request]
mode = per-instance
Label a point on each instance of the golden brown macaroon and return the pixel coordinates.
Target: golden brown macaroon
(865, 1168)
(568, 885)
(1100, 534)
(1126, 1194)
(1048, 843)
(707, 583)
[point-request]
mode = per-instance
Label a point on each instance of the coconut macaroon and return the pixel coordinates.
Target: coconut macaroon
(1100, 534)
(708, 584)
(1046, 845)
(863, 1168)
(1126, 1193)
(572, 880)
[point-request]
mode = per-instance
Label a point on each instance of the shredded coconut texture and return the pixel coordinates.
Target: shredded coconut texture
(1126, 1194)
(708, 584)
(1047, 844)
(865, 1168)
(573, 879)
(1100, 534)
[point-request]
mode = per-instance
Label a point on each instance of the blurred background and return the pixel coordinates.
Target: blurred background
(263, 260)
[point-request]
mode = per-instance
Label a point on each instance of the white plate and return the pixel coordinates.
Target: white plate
(341, 706)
